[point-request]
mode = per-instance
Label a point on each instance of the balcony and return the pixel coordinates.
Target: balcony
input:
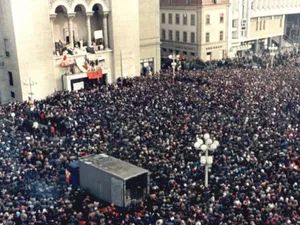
(82, 62)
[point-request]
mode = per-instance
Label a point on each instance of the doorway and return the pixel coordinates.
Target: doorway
(208, 56)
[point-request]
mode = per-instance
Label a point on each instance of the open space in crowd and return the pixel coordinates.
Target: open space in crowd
(153, 122)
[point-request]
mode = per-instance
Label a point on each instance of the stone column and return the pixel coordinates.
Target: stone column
(52, 18)
(105, 30)
(88, 26)
(280, 41)
(256, 46)
(70, 18)
(269, 41)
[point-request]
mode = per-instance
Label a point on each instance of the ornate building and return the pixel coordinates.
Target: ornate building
(51, 45)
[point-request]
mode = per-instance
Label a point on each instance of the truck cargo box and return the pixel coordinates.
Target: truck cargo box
(113, 180)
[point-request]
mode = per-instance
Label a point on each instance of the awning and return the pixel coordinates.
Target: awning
(94, 74)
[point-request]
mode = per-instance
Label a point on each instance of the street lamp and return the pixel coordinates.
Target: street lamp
(205, 145)
(13, 117)
(173, 64)
(273, 49)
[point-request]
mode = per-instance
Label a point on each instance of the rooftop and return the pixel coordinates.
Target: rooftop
(114, 166)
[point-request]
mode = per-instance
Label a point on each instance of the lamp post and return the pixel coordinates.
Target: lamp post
(205, 145)
(13, 117)
(30, 84)
(173, 64)
(272, 49)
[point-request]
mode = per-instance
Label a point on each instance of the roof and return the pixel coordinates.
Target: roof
(114, 166)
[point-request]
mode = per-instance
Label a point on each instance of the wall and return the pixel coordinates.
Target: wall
(3, 84)
(149, 32)
(272, 28)
(34, 46)
(179, 27)
(60, 24)
(126, 38)
(217, 48)
(79, 25)
(11, 63)
(179, 45)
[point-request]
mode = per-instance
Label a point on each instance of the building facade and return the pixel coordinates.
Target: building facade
(51, 45)
(194, 28)
(257, 24)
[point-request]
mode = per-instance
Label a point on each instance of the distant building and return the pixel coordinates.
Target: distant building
(34, 35)
(194, 28)
(258, 24)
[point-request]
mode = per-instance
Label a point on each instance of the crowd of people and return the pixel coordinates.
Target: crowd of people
(153, 122)
(248, 60)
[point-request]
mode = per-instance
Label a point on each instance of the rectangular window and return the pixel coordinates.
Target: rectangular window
(184, 36)
(177, 35)
(222, 18)
(184, 53)
(207, 37)
(184, 19)
(12, 94)
(264, 25)
(163, 34)
(163, 18)
(11, 80)
(192, 37)
(260, 25)
(257, 22)
(193, 20)
(170, 18)
(177, 20)
(188, 2)
(281, 22)
(7, 54)
(207, 19)
(170, 35)
(221, 35)
(164, 49)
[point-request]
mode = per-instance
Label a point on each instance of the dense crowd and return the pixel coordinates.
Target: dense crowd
(249, 60)
(153, 122)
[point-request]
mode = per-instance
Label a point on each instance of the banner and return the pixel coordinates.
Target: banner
(94, 74)
(78, 86)
(98, 34)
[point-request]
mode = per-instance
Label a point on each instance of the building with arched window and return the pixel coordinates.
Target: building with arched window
(52, 45)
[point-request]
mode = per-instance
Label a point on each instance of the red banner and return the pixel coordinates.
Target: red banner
(94, 74)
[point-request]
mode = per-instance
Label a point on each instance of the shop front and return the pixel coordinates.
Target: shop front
(213, 52)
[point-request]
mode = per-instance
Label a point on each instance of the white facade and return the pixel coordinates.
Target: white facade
(257, 23)
(30, 29)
